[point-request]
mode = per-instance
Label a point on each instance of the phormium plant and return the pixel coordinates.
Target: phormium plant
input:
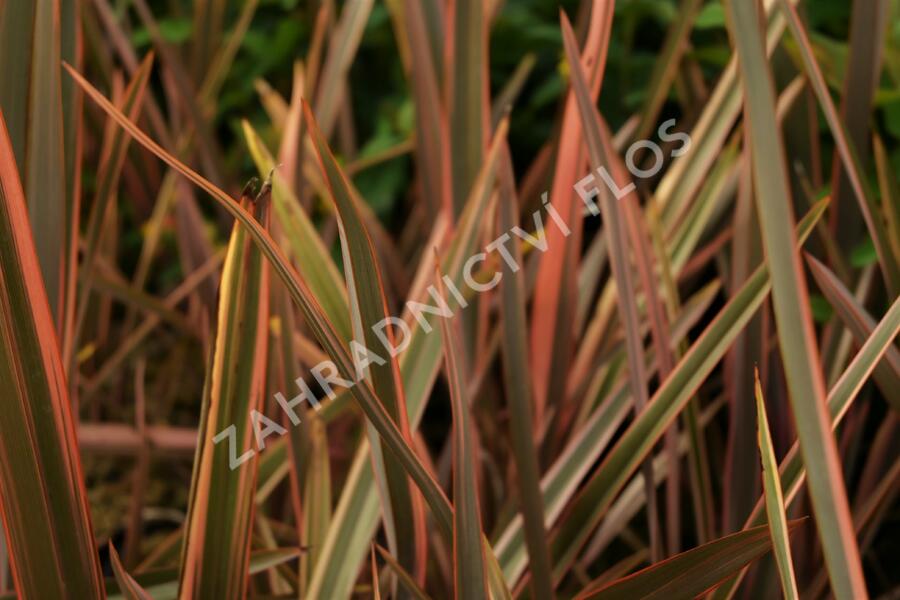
(514, 306)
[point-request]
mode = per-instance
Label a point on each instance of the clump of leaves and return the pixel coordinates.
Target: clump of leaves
(503, 314)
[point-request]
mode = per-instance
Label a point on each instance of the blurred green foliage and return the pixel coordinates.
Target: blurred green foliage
(382, 106)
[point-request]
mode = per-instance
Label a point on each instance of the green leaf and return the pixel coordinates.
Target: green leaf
(840, 398)
(712, 16)
(468, 559)
(31, 98)
(404, 521)
(162, 584)
(864, 254)
(320, 326)
(174, 31)
(347, 542)
(316, 505)
(562, 479)
(466, 79)
(519, 395)
(890, 195)
(313, 260)
(636, 442)
(821, 309)
(679, 184)
(790, 300)
(778, 525)
(846, 149)
(354, 521)
(51, 542)
(219, 523)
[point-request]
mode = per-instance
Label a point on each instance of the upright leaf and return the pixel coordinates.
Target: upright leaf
(403, 514)
(42, 497)
(617, 237)
(666, 67)
(635, 443)
(354, 522)
(519, 394)
(31, 97)
(840, 398)
(679, 184)
(561, 481)
(796, 337)
(343, 46)
(309, 252)
(468, 557)
(419, 366)
(868, 25)
(431, 117)
(406, 580)
(216, 551)
(466, 78)
(71, 44)
(108, 172)
(322, 328)
(778, 525)
(555, 288)
(852, 172)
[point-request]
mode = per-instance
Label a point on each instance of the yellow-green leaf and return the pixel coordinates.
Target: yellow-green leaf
(778, 525)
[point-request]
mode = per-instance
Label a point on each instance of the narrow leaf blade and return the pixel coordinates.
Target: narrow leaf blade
(692, 573)
(778, 526)
(49, 536)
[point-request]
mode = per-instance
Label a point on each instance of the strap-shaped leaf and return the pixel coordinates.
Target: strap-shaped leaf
(31, 98)
(162, 584)
(219, 525)
(431, 117)
(342, 47)
(860, 324)
(519, 393)
(790, 301)
(419, 366)
(466, 75)
(778, 525)
(321, 327)
(109, 170)
(617, 237)
(560, 482)
(468, 557)
(555, 286)
(309, 252)
(846, 149)
(692, 573)
(403, 516)
(840, 398)
(406, 580)
(672, 396)
(42, 496)
(130, 588)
